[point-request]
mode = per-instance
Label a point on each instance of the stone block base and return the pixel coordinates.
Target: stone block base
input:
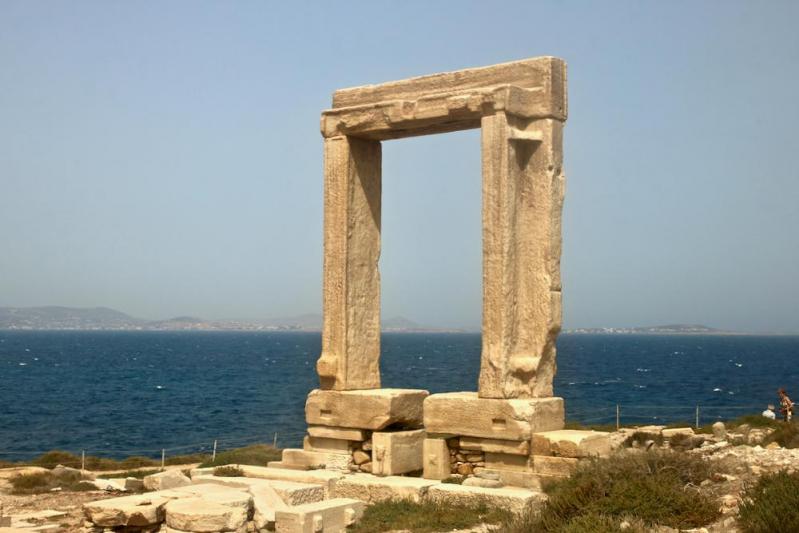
(372, 409)
(465, 414)
(397, 452)
(296, 458)
(371, 489)
(572, 443)
(436, 459)
(328, 516)
(515, 500)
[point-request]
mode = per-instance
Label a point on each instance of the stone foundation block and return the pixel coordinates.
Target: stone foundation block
(200, 515)
(169, 479)
(669, 433)
(325, 478)
(133, 511)
(572, 443)
(293, 457)
(553, 466)
(397, 452)
(370, 489)
(290, 492)
(463, 413)
(495, 445)
(514, 478)
(435, 459)
(373, 409)
(330, 516)
(515, 500)
(326, 432)
(325, 445)
(506, 461)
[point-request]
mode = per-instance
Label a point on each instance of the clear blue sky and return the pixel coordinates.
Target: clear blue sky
(164, 158)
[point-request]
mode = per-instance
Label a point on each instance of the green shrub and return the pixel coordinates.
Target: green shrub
(754, 421)
(57, 457)
(228, 471)
(641, 437)
(771, 505)
(38, 482)
(584, 523)
(650, 487)
(256, 454)
(425, 517)
(786, 435)
(453, 480)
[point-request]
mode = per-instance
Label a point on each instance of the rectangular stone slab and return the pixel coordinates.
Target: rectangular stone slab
(326, 432)
(305, 459)
(321, 444)
(371, 489)
(495, 445)
(572, 443)
(546, 72)
(463, 413)
(397, 452)
(515, 500)
(330, 515)
(435, 459)
(373, 409)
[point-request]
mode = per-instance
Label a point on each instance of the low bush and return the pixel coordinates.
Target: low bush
(771, 505)
(651, 488)
(425, 517)
(228, 471)
(256, 454)
(786, 435)
(754, 421)
(38, 482)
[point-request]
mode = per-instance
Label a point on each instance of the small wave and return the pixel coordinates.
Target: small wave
(159, 387)
(642, 370)
(717, 389)
(640, 386)
(23, 364)
(27, 349)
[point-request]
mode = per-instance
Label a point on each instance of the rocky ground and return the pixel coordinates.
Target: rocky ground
(741, 456)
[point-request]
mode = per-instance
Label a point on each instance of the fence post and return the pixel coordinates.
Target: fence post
(83, 459)
(163, 457)
(618, 417)
(274, 441)
(697, 416)
(213, 456)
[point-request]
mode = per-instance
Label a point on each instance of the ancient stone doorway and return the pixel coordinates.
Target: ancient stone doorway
(520, 108)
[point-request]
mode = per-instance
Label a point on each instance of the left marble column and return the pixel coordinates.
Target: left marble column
(350, 357)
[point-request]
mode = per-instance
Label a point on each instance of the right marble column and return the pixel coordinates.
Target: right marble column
(523, 188)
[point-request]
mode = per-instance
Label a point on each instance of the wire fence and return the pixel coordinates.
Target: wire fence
(622, 415)
(618, 415)
(206, 448)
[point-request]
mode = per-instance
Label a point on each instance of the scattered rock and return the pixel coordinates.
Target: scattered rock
(169, 479)
(719, 431)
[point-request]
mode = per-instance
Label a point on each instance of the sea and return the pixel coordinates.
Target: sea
(118, 394)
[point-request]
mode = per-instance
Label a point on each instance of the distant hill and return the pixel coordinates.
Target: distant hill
(103, 318)
(54, 317)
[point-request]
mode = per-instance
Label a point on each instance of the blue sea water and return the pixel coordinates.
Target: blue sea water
(125, 393)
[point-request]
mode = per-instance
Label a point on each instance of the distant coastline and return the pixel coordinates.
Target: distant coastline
(58, 318)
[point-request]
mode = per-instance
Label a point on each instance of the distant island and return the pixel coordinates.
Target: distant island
(106, 319)
(671, 329)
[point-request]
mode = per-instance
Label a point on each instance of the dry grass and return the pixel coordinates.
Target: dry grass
(644, 488)
(425, 517)
(39, 482)
(771, 505)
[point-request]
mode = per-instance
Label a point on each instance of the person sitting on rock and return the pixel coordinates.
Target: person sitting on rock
(769, 412)
(786, 405)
